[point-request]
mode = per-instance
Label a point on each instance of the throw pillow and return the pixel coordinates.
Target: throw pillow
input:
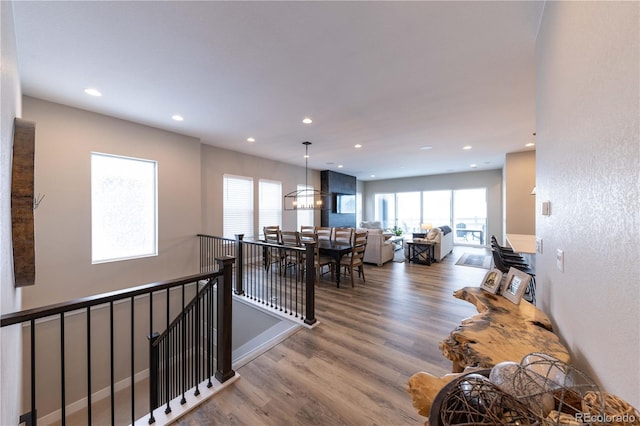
(433, 234)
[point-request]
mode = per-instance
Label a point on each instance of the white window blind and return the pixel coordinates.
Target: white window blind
(270, 204)
(305, 217)
(123, 208)
(238, 206)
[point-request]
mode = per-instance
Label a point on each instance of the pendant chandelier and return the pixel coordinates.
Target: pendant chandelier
(307, 198)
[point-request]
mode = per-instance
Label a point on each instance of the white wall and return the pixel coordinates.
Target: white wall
(216, 162)
(10, 337)
(490, 179)
(65, 138)
(588, 167)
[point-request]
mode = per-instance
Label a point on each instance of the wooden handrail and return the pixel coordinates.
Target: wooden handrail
(72, 305)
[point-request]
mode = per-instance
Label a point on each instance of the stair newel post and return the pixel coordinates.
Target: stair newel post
(240, 261)
(154, 365)
(310, 280)
(224, 315)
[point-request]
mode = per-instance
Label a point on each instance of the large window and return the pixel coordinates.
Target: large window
(270, 207)
(385, 209)
(238, 206)
(464, 210)
(305, 217)
(436, 207)
(123, 208)
(408, 208)
(470, 215)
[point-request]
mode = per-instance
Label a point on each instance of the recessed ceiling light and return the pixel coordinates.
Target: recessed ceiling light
(530, 144)
(473, 166)
(340, 166)
(177, 117)
(426, 148)
(373, 175)
(92, 92)
(467, 147)
(357, 145)
(307, 120)
(251, 140)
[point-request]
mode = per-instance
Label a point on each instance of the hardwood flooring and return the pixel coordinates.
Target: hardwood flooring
(353, 368)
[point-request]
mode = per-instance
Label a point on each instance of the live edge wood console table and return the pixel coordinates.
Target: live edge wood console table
(501, 331)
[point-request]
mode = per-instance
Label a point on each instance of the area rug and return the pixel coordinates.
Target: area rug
(475, 260)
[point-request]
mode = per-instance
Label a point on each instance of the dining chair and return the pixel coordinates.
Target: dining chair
(319, 261)
(290, 258)
(307, 229)
(272, 254)
(324, 233)
(343, 235)
(355, 260)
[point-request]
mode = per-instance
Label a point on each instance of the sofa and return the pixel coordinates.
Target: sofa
(443, 239)
(379, 249)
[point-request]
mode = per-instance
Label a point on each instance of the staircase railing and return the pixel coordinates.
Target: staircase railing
(98, 349)
(284, 287)
(191, 350)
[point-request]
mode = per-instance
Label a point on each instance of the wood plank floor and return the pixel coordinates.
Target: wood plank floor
(353, 368)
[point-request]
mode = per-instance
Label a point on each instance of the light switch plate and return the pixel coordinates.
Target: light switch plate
(560, 260)
(539, 245)
(546, 208)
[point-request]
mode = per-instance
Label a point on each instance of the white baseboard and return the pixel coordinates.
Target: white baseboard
(56, 416)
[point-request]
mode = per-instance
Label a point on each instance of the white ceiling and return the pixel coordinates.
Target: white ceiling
(392, 76)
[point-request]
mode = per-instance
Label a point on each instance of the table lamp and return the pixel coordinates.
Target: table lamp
(426, 227)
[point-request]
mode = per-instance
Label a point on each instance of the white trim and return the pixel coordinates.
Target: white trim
(274, 311)
(74, 407)
(178, 410)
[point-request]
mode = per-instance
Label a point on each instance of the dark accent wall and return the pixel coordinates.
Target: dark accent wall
(337, 183)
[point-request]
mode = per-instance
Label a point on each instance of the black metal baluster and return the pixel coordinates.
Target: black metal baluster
(133, 392)
(153, 391)
(166, 361)
(183, 349)
(111, 367)
(209, 329)
(89, 365)
(62, 372)
(197, 344)
(34, 417)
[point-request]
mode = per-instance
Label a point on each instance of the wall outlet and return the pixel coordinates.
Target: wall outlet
(560, 260)
(539, 245)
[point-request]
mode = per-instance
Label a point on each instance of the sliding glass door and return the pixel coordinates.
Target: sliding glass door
(464, 210)
(470, 216)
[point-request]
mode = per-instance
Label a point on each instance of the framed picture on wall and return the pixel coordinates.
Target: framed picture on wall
(515, 285)
(491, 281)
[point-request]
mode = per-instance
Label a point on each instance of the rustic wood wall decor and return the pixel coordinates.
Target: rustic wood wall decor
(22, 203)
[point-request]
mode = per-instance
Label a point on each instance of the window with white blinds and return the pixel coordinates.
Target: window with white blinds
(270, 204)
(305, 217)
(237, 206)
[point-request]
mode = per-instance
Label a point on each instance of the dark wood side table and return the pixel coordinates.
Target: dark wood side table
(422, 252)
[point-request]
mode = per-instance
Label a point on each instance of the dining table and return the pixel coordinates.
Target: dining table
(335, 250)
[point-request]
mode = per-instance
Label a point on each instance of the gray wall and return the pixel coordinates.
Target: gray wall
(65, 138)
(10, 337)
(216, 162)
(490, 179)
(587, 166)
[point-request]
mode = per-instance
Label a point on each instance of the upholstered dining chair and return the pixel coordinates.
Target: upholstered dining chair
(355, 260)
